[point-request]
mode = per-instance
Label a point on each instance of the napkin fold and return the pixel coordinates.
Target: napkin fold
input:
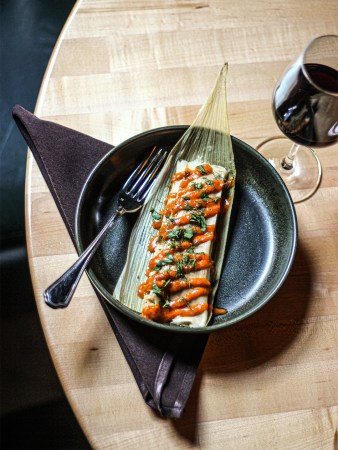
(163, 363)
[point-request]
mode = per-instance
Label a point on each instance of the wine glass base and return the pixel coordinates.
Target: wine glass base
(303, 179)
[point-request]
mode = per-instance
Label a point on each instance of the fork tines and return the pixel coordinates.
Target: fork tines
(142, 179)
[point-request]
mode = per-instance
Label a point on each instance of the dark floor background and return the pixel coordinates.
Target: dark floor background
(34, 411)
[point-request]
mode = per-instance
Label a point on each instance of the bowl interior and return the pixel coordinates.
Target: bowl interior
(261, 241)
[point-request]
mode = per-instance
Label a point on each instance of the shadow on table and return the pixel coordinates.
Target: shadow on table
(256, 340)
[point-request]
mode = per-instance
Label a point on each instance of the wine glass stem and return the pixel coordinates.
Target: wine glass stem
(287, 161)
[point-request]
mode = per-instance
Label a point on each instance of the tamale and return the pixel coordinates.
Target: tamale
(206, 142)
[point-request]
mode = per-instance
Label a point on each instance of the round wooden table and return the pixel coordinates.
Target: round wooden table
(122, 67)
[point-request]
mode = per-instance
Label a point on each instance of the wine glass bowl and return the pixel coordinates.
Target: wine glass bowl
(305, 108)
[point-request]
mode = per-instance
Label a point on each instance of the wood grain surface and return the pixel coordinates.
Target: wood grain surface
(123, 67)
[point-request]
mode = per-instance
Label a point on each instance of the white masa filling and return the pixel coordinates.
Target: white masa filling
(151, 298)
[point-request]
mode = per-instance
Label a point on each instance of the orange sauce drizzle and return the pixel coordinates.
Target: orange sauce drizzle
(158, 314)
(219, 311)
(166, 272)
(194, 293)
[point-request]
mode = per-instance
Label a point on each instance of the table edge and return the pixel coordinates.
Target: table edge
(27, 205)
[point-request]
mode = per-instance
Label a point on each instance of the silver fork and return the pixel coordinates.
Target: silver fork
(131, 198)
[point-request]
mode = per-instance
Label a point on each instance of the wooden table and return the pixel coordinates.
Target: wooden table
(122, 67)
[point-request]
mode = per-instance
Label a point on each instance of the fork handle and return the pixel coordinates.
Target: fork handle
(60, 293)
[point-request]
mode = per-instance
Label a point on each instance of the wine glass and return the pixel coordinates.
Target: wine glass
(305, 107)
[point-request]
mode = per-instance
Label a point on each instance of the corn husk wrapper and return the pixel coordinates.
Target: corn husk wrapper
(208, 140)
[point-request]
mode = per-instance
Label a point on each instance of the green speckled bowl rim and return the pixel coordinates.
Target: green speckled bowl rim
(209, 328)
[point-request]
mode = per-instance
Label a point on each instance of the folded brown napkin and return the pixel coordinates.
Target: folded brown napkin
(164, 363)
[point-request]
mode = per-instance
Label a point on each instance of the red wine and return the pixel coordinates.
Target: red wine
(307, 112)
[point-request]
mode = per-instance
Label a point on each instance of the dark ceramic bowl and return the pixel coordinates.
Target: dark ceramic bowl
(261, 242)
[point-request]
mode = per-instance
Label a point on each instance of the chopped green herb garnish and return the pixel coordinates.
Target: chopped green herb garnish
(187, 207)
(192, 262)
(186, 259)
(191, 250)
(175, 234)
(204, 196)
(209, 182)
(197, 185)
(179, 234)
(165, 284)
(202, 170)
(166, 304)
(163, 262)
(157, 290)
(179, 269)
(215, 199)
(155, 215)
(186, 198)
(189, 233)
(200, 220)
